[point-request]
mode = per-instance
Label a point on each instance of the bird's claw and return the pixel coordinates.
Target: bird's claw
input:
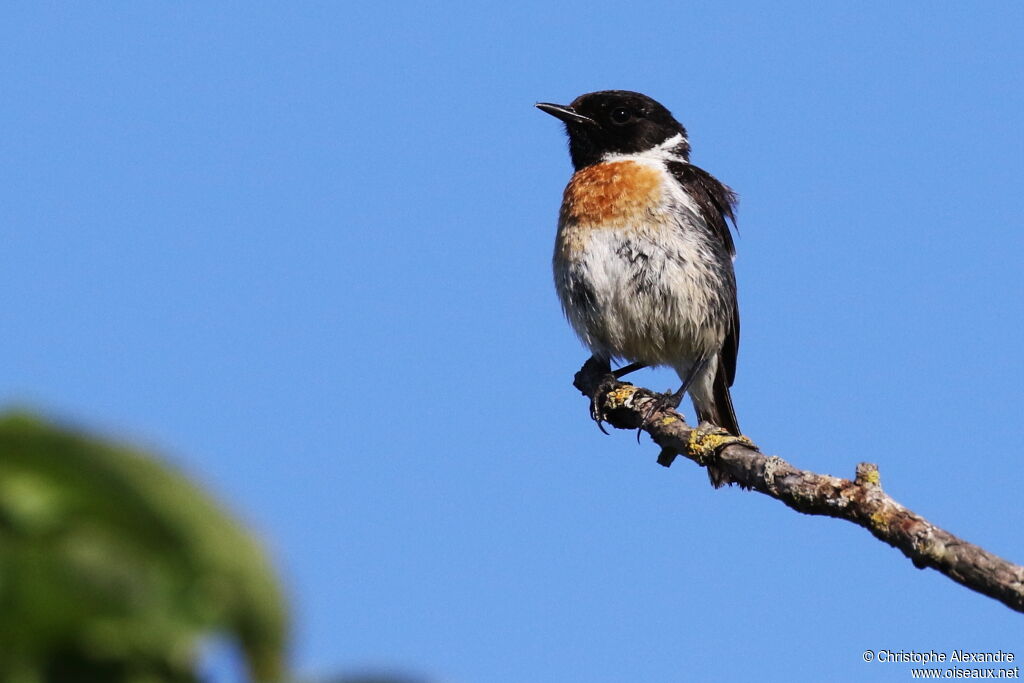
(667, 401)
(596, 409)
(597, 415)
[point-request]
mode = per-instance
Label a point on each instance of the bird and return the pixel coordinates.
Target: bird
(643, 258)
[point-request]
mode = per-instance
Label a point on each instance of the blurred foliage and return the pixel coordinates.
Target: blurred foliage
(113, 566)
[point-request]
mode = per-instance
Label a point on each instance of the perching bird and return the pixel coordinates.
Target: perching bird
(643, 256)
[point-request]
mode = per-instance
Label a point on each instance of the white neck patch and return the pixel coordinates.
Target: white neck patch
(663, 152)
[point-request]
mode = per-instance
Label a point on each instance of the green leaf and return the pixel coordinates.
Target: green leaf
(115, 565)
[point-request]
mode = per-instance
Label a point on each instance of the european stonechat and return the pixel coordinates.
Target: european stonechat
(643, 255)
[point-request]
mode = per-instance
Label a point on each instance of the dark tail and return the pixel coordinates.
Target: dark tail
(723, 415)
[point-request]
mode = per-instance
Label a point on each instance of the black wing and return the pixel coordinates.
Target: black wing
(717, 204)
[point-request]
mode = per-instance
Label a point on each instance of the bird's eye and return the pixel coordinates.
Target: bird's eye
(621, 116)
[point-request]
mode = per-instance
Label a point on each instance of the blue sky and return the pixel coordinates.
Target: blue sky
(304, 251)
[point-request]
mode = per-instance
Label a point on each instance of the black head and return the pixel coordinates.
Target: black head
(615, 121)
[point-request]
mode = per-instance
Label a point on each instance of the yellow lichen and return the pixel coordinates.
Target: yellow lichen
(709, 442)
(620, 396)
(878, 520)
(704, 444)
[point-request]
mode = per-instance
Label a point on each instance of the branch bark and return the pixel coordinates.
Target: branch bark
(861, 500)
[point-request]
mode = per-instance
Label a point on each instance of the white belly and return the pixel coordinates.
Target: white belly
(655, 295)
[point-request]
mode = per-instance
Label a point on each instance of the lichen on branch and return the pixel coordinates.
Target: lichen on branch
(860, 500)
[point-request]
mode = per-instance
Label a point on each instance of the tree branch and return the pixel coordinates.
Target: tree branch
(861, 501)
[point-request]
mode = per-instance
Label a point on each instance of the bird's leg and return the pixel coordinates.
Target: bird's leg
(626, 369)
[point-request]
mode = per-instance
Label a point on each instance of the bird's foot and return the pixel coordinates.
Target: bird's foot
(667, 401)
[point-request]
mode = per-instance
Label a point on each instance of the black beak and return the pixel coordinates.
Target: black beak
(565, 113)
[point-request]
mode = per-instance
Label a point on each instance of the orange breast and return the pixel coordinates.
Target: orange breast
(611, 193)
